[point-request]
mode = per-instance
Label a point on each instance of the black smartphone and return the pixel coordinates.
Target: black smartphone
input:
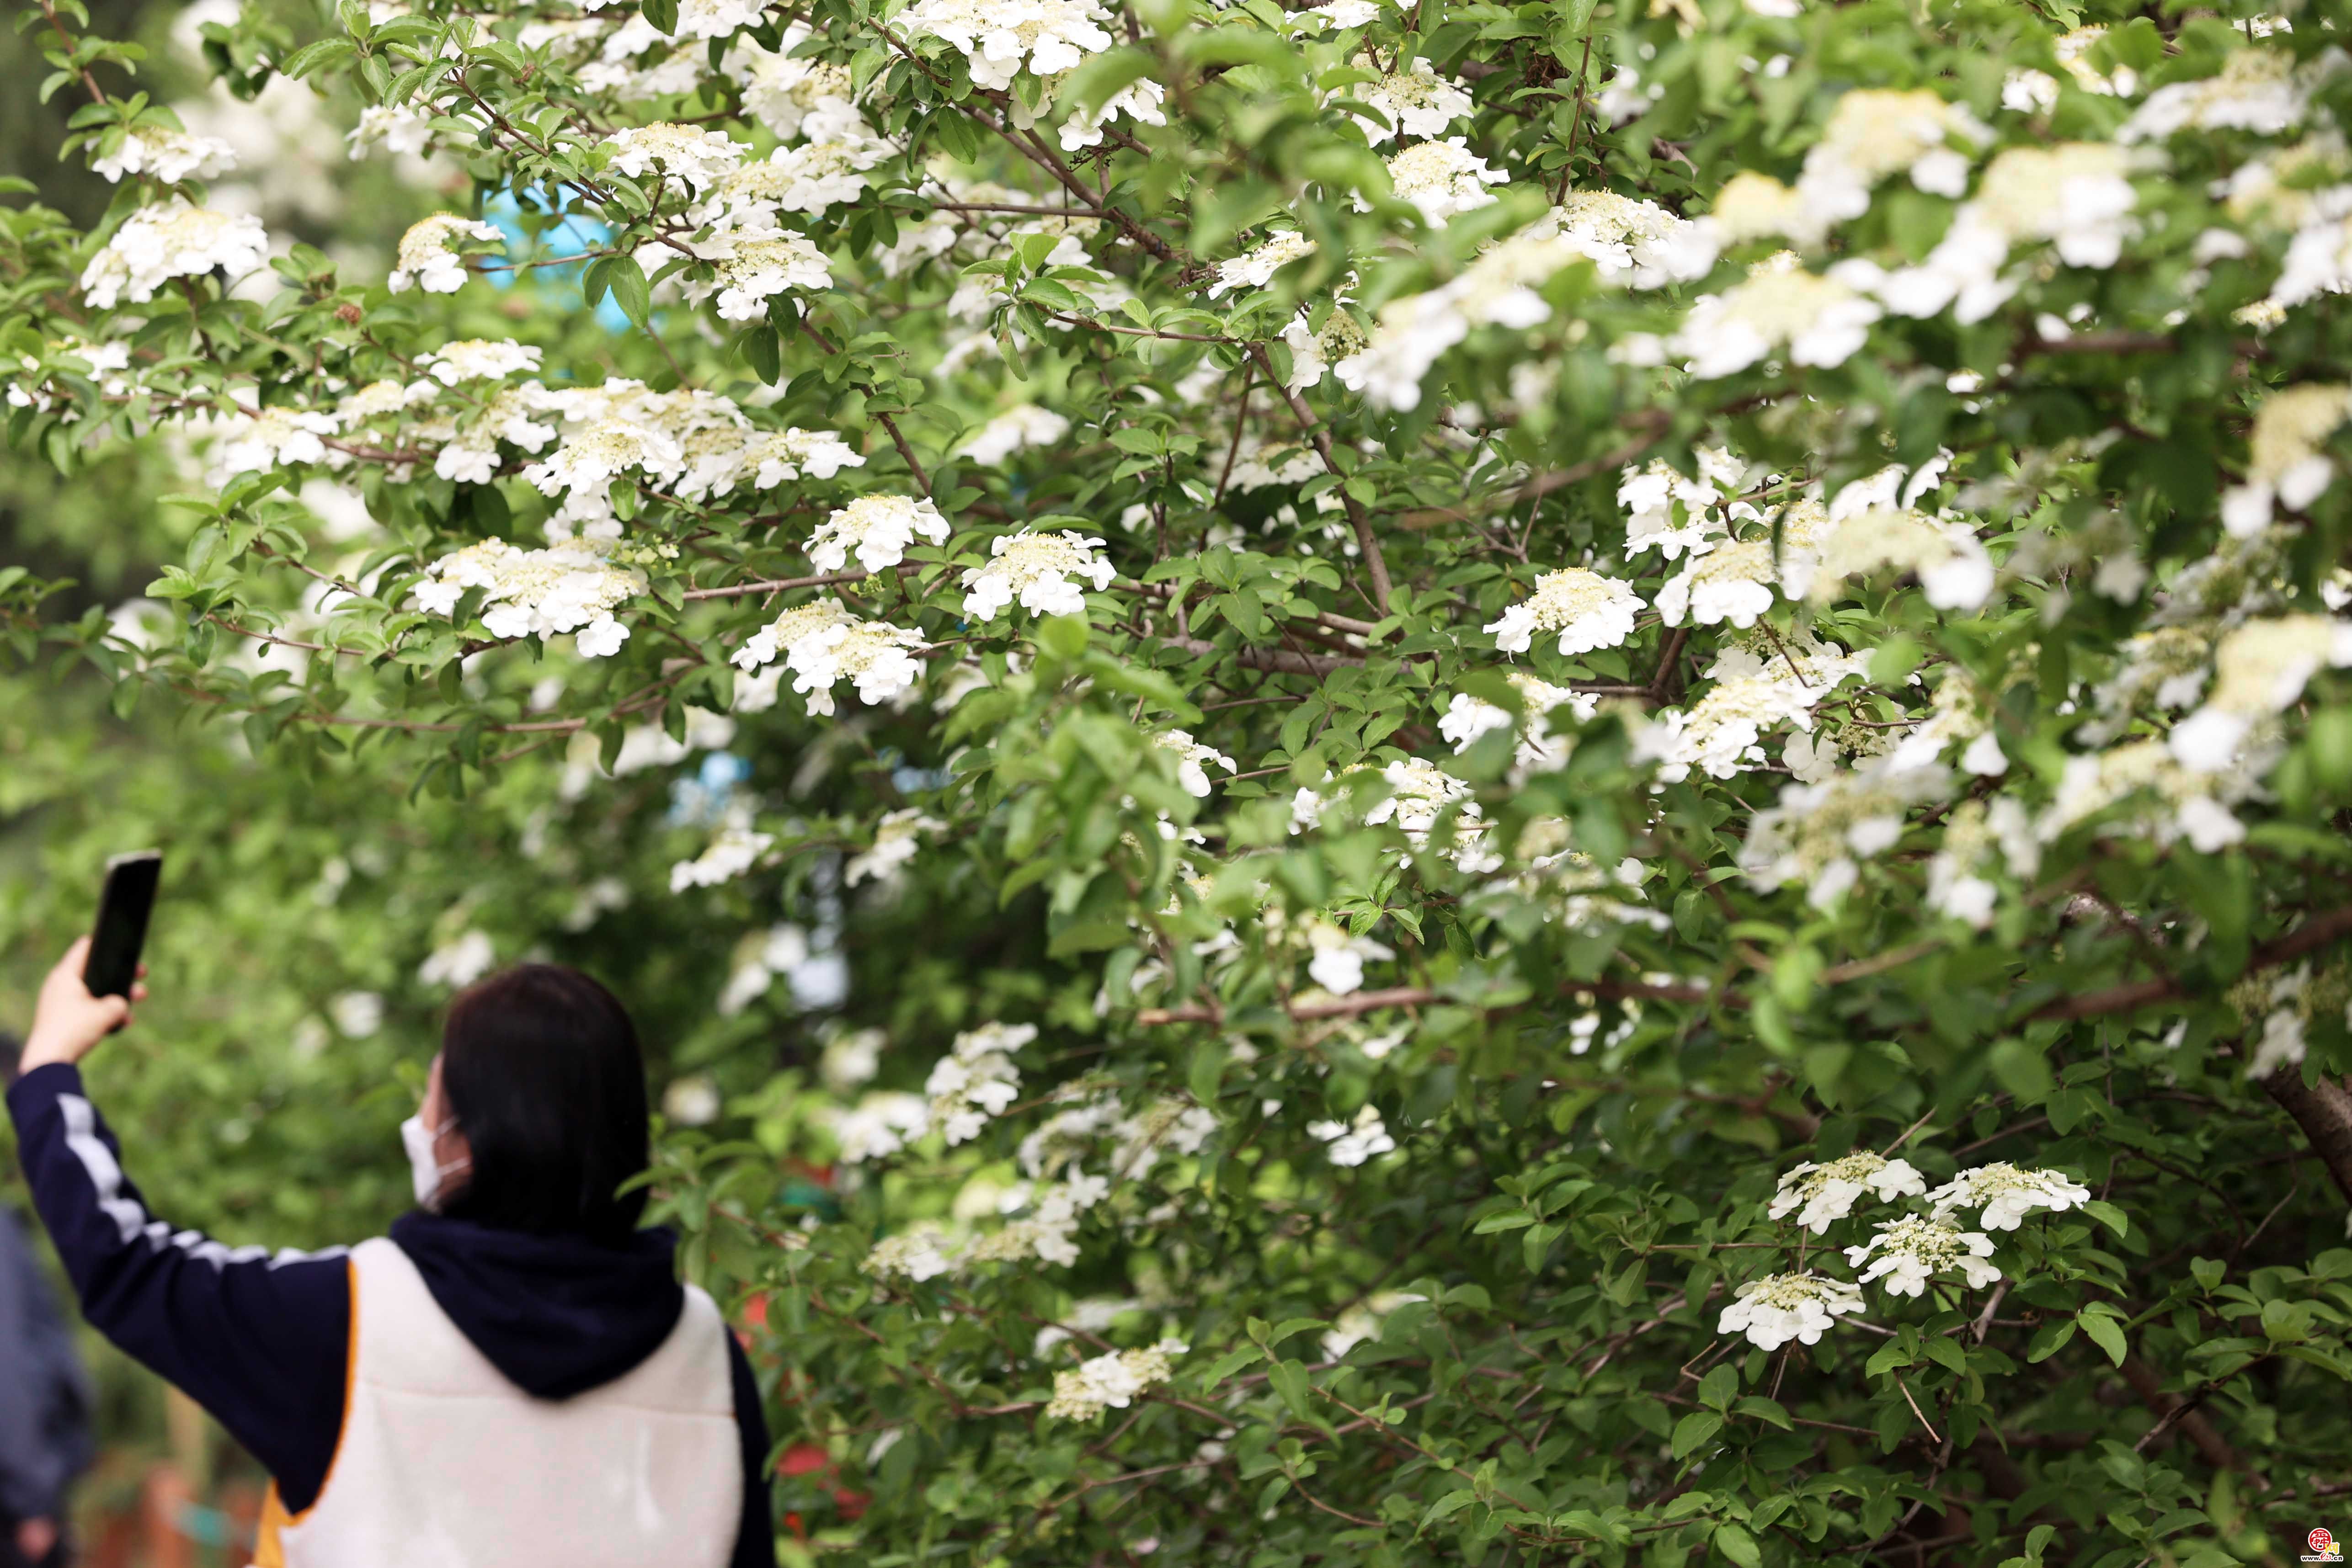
(121, 931)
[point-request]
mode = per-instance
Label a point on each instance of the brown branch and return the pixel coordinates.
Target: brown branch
(1543, 485)
(2323, 1111)
(1373, 564)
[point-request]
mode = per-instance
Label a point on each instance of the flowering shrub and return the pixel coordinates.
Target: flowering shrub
(1595, 807)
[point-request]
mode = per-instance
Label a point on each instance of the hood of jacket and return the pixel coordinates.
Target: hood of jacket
(557, 1315)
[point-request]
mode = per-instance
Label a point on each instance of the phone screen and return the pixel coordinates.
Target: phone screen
(122, 911)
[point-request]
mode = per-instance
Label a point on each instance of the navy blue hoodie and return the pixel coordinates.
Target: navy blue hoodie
(260, 1339)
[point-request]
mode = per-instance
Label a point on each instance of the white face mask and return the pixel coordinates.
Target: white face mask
(426, 1173)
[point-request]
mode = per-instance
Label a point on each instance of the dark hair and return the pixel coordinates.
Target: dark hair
(12, 1051)
(542, 1072)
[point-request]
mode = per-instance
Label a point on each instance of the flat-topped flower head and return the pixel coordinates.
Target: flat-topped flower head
(998, 38)
(478, 360)
(1587, 611)
(1353, 1142)
(2287, 462)
(753, 270)
(1441, 178)
(1192, 760)
(2075, 195)
(432, 253)
(572, 587)
(804, 179)
(171, 239)
(1778, 1308)
(696, 159)
(1817, 833)
(1040, 571)
(2007, 1194)
(1415, 101)
(1008, 433)
(1111, 1382)
(168, 156)
(1466, 719)
(591, 455)
(1817, 318)
(2260, 669)
(1954, 571)
(1828, 1191)
(275, 436)
(822, 645)
(1256, 268)
(777, 456)
(1910, 1253)
(877, 529)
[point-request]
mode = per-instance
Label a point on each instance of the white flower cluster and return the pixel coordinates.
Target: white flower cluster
(1498, 289)
(733, 849)
(696, 159)
(1415, 101)
(274, 436)
(570, 586)
(1041, 571)
(1777, 1307)
(1817, 832)
(2006, 1194)
(171, 239)
(1256, 268)
(998, 38)
(2077, 196)
(2284, 1004)
(823, 645)
(1587, 610)
(793, 95)
(877, 529)
(878, 1125)
(2287, 462)
(1909, 1252)
(898, 838)
(808, 178)
(1353, 1142)
(1112, 1381)
(923, 1252)
(1540, 748)
(165, 154)
(1192, 760)
(752, 268)
(1420, 793)
(976, 1080)
(1754, 691)
(432, 254)
(1337, 965)
(2260, 670)
(1815, 318)
(1008, 433)
(478, 360)
(1441, 178)
(1827, 1192)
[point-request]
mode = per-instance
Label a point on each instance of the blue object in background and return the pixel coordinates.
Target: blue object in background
(576, 233)
(703, 799)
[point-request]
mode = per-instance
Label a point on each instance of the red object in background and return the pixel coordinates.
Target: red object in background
(803, 1459)
(755, 1311)
(851, 1504)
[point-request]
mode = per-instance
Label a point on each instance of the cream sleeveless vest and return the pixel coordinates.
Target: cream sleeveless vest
(443, 1463)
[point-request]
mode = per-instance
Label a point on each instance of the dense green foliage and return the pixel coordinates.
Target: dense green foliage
(1658, 874)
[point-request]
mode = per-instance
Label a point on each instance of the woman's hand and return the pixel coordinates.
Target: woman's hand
(67, 1020)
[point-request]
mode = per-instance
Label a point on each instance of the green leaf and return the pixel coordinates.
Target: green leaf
(630, 290)
(1695, 1430)
(1737, 1545)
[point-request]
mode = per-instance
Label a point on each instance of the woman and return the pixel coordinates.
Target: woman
(514, 1377)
